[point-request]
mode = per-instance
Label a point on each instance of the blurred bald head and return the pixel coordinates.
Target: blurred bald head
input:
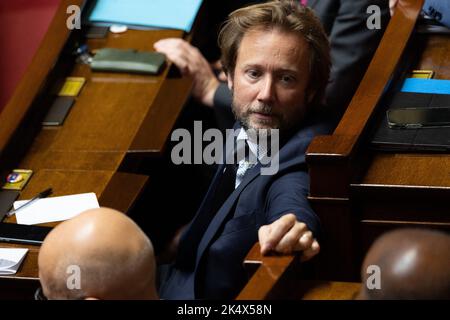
(414, 264)
(114, 257)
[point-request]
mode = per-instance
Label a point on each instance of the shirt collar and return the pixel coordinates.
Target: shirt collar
(260, 151)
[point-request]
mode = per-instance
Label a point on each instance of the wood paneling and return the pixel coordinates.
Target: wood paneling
(354, 187)
(42, 63)
(115, 117)
(360, 193)
(279, 277)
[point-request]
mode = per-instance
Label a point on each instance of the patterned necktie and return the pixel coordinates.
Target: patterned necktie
(243, 166)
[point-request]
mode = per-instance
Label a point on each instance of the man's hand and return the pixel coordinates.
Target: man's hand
(392, 5)
(191, 63)
(287, 235)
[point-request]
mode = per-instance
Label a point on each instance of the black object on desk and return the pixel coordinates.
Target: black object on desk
(405, 118)
(7, 198)
(23, 234)
(58, 111)
(40, 195)
(97, 32)
(412, 140)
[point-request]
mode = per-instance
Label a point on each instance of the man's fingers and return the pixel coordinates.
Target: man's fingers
(392, 5)
(191, 63)
(290, 241)
(181, 53)
(263, 233)
(168, 44)
(179, 47)
(277, 230)
(173, 43)
(286, 235)
(311, 252)
(305, 241)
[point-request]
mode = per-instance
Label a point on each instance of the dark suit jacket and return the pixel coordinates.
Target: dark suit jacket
(353, 44)
(209, 264)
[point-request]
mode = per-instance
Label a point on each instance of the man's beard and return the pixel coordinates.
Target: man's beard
(265, 109)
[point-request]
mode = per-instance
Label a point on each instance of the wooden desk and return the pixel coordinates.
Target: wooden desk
(359, 192)
(117, 120)
(279, 277)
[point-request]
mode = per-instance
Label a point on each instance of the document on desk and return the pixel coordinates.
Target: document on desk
(55, 208)
(11, 259)
(431, 86)
(178, 14)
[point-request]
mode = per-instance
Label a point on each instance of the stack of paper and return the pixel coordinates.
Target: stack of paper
(10, 260)
(179, 14)
(55, 208)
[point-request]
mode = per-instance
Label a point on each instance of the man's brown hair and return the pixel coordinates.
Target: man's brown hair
(288, 16)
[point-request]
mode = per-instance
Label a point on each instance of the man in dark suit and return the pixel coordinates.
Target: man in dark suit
(276, 56)
(353, 44)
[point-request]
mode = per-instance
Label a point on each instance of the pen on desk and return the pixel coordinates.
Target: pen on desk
(43, 194)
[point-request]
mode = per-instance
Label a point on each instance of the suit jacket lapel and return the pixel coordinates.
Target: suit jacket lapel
(228, 205)
(225, 210)
(207, 200)
(188, 245)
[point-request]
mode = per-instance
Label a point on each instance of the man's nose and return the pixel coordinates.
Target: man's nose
(266, 92)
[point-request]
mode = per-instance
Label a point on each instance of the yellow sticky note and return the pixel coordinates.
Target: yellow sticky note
(72, 86)
(422, 74)
(17, 179)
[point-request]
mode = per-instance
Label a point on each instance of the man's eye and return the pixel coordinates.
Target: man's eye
(287, 79)
(253, 74)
